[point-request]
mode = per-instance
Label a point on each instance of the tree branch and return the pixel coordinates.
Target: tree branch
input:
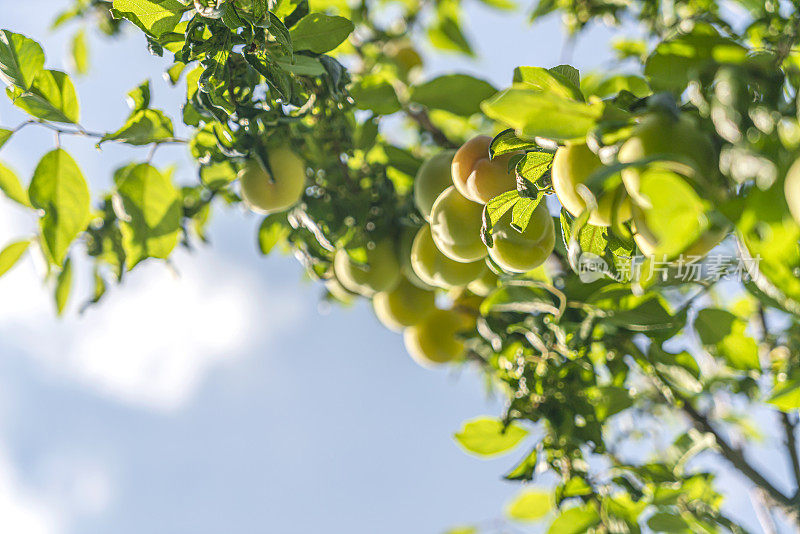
(736, 457)
(81, 132)
(791, 446)
(788, 505)
(424, 121)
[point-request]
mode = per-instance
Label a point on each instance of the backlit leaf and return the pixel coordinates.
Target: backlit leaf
(530, 505)
(11, 187)
(151, 213)
(21, 59)
(51, 97)
(63, 287)
(156, 17)
(320, 33)
(532, 113)
(79, 50)
(439, 94)
(59, 188)
(486, 436)
(11, 254)
(142, 128)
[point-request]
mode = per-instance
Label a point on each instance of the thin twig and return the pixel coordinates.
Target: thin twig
(82, 132)
(421, 117)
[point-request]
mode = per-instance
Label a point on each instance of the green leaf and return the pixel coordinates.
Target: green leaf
(218, 175)
(499, 205)
(574, 487)
(505, 5)
(681, 369)
(155, 17)
(674, 213)
(375, 94)
(534, 165)
(522, 211)
(525, 469)
(507, 143)
(447, 35)
(724, 334)
(576, 520)
(142, 128)
(51, 97)
(606, 86)
(610, 400)
(151, 218)
(5, 135)
(10, 255)
(440, 92)
(667, 522)
(770, 233)
(139, 98)
(79, 50)
(558, 83)
(530, 505)
(786, 397)
(320, 33)
(402, 160)
(11, 186)
(63, 287)
(281, 33)
(568, 73)
(638, 313)
(543, 7)
(532, 113)
(596, 241)
(273, 230)
(21, 59)
(59, 188)
(275, 75)
(486, 436)
(675, 62)
(301, 65)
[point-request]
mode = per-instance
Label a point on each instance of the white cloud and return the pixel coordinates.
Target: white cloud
(153, 339)
(20, 509)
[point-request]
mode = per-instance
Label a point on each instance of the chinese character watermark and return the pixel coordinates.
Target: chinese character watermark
(684, 268)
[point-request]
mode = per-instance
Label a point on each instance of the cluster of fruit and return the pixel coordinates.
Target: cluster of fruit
(663, 161)
(446, 255)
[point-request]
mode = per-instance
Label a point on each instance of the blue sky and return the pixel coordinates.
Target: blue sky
(217, 395)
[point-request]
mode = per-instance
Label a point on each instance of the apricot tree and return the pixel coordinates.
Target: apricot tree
(657, 312)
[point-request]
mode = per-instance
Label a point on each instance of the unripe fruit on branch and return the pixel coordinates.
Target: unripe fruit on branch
(659, 134)
(436, 269)
(381, 272)
(573, 164)
(456, 226)
(434, 341)
(791, 189)
(700, 247)
(520, 252)
(404, 305)
(407, 236)
(279, 192)
(432, 178)
(677, 221)
(485, 284)
(478, 178)
(338, 291)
